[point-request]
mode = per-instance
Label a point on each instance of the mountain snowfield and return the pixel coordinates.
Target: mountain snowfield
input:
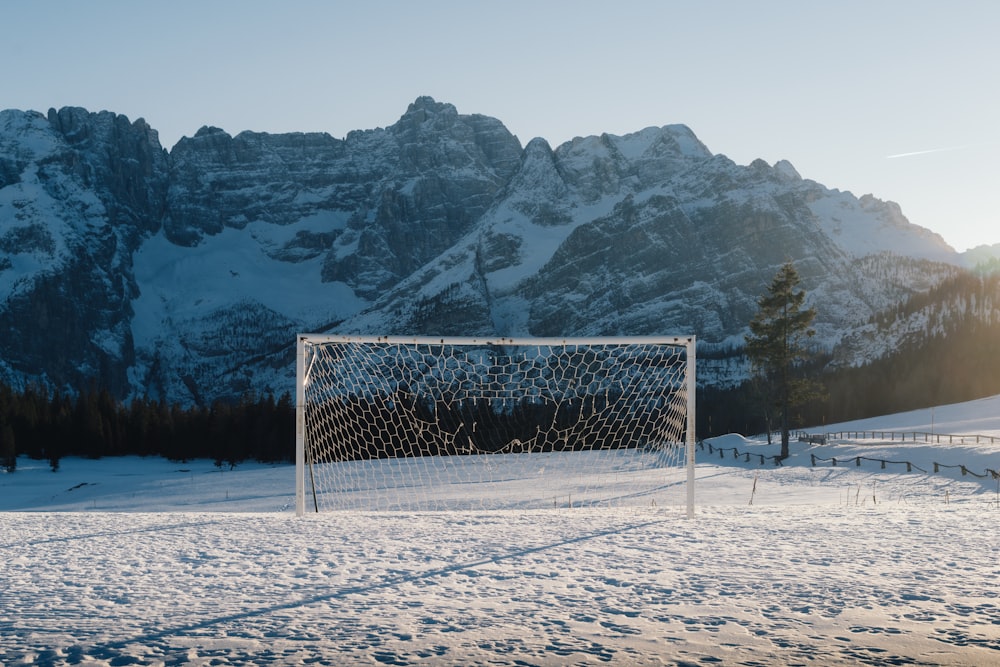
(145, 561)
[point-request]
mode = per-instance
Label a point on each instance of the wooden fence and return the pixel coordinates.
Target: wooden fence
(910, 436)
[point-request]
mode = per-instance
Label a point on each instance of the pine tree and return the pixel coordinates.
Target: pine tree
(776, 345)
(8, 449)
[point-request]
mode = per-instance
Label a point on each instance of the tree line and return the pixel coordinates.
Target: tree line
(955, 358)
(94, 424)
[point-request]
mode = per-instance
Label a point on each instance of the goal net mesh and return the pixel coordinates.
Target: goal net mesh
(436, 425)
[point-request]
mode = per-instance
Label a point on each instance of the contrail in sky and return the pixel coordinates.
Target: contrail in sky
(932, 150)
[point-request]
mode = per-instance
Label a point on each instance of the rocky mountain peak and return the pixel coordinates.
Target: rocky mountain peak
(206, 130)
(185, 276)
(425, 108)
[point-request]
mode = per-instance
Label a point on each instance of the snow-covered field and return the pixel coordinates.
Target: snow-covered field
(133, 561)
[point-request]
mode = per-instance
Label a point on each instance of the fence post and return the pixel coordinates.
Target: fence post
(936, 467)
(857, 462)
(813, 456)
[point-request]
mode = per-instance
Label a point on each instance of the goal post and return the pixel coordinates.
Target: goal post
(434, 423)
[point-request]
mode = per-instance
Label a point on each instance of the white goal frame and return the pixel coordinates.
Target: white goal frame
(305, 339)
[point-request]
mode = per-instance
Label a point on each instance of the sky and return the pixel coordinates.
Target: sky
(897, 98)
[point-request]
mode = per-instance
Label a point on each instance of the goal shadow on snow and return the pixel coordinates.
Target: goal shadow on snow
(111, 649)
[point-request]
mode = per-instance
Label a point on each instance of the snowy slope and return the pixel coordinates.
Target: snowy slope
(780, 566)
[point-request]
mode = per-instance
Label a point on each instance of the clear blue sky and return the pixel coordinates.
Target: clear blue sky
(836, 88)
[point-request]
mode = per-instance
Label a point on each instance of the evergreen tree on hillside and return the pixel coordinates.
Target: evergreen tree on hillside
(776, 345)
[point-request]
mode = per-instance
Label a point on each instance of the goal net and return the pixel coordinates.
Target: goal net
(415, 424)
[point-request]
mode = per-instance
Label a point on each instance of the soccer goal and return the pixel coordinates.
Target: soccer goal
(421, 423)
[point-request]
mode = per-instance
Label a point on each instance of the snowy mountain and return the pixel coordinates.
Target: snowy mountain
(184, 275)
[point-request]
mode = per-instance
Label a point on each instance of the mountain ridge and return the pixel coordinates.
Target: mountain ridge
(185, 274)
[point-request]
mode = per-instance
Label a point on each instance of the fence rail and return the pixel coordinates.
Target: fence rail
(914, 436)
(737, 454)
(822, 439)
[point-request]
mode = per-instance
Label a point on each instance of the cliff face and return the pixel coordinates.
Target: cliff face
(185, 276)
(80, 193)
(403, 194)
(651, 233)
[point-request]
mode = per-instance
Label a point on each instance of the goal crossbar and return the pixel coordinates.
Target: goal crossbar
(523, 341)
(304, 362)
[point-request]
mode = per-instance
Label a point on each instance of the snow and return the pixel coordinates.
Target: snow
(849, 222)
(634, 146)
(234, 266)
(541, 241)
(29, 133)
(545, 240)
(145, 561)
(23, 205)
